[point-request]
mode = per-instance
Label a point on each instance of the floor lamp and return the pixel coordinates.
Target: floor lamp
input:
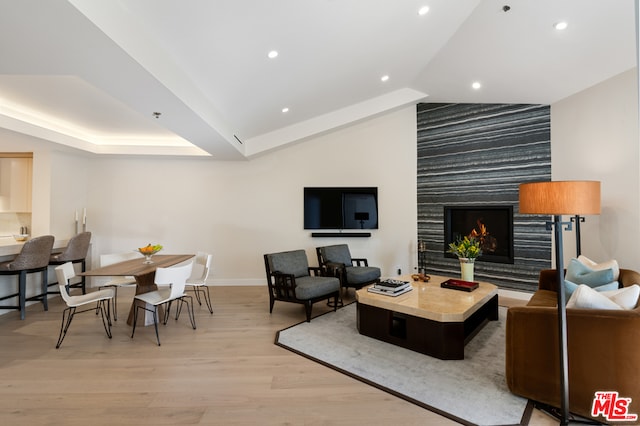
(577, 219)
(561, 198)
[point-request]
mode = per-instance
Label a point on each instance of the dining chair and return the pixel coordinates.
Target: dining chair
(197, 282)
(172, 281)
(34, 257)
(65, 273)
(116, 282)
(75, 252)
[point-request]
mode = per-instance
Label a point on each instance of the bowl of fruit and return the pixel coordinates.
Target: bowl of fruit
(149, 250)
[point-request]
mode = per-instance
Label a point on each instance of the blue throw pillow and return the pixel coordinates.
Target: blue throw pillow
(579, 273)
(570, 287)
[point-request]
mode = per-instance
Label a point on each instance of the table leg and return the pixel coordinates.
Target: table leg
(144, 284)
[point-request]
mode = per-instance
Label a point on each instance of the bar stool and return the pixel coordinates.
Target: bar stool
(34, 257)
(75, 252)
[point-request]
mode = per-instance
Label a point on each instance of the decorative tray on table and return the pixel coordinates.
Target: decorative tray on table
(461, 285)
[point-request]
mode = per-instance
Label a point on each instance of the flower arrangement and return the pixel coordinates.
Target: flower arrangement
(466, 247)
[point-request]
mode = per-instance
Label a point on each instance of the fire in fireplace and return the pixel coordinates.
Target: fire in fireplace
(491, 225)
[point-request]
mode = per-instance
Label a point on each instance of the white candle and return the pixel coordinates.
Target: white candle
(84, 217)
(76, 215)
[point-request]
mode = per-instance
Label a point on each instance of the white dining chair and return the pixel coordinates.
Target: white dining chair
(117, 282)
(65, 273)
(171, 282)
(197, 282)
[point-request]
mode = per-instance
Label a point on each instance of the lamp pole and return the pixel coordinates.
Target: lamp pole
(562, 319)
(577, 219)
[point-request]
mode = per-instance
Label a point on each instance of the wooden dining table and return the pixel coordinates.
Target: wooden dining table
(144, 273)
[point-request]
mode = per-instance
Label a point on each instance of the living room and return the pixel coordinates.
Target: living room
(239, 210)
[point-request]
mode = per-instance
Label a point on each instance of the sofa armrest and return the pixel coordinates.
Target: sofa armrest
(603, 348)
(628, 277)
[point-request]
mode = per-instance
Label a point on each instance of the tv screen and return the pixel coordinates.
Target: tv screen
(341, 208)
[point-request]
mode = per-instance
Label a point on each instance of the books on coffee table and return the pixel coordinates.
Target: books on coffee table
(391, 287)
(391, 284)
(373, 289)
(455, 284)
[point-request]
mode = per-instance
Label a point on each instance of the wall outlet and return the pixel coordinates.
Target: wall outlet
(398, 270)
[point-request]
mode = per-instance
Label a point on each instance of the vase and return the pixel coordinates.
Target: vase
(466, 268)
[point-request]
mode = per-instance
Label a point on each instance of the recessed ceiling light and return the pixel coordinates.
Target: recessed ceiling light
(562, 25)
(285, 110)
(476, 85)
(423, 10)
(272, 54)
(384, 78)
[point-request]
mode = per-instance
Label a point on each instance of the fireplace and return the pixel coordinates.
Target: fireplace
(491, 225)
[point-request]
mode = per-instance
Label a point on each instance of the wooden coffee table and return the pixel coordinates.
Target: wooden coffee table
(429, 319)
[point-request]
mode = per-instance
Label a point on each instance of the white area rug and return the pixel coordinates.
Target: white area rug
(472, 391)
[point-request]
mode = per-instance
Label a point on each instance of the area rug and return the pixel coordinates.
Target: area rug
(472, 391)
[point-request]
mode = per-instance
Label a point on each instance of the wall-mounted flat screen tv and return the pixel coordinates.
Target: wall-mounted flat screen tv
(341, 208)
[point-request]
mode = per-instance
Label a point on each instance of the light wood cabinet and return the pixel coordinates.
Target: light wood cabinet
(15, 184)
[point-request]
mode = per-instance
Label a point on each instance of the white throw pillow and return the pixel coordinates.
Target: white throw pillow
(626, 297)
(613, 264)
(584, 297)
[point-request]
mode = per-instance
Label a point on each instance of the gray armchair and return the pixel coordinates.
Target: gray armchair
(352, 272)
(290, 279)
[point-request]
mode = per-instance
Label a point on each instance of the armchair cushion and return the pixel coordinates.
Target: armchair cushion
(338, 254)
(362, 274)
(310, 287)
(290, 262)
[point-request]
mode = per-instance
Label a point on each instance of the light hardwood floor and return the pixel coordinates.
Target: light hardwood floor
(227, 372)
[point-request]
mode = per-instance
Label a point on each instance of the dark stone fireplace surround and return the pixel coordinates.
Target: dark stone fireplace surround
(477, 155)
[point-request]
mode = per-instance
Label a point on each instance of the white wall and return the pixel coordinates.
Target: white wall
(594, 136)
(240, 210)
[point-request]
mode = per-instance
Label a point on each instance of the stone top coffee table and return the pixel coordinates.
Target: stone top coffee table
(429, 319)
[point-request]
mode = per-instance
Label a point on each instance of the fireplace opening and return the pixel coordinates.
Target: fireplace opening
(491, 225)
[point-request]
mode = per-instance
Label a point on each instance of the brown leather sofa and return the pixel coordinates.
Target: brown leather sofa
(603, 348)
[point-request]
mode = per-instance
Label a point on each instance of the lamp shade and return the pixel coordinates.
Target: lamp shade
(560, 197)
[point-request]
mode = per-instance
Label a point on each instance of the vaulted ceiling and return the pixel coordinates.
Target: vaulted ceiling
(170, 77)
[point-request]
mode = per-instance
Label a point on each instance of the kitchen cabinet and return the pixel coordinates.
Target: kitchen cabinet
(15, 184)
